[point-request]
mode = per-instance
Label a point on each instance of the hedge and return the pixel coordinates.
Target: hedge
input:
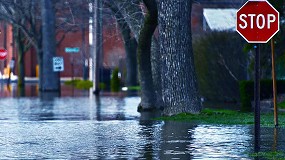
(246, 89)
(115, 81)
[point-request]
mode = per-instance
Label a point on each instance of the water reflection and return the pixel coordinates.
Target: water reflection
(177, 136)
(109, 127)
(32, 90)
(229, 142)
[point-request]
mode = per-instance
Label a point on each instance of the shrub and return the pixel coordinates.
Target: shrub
(266, 91)
(84, 84)
(219, 63)
(80, 84)
(72, 82)
(115, 81)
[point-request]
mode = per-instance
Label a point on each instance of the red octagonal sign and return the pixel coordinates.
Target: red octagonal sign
(3, 53)
(257, 21)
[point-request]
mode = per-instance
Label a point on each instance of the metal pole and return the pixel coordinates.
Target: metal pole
(274, 84)
(257, 99)
(97, 43)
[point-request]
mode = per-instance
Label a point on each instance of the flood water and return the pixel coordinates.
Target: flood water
(78, 125)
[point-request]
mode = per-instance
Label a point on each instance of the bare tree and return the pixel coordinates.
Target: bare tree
(26, 19)
(140, 16)
(130, 44)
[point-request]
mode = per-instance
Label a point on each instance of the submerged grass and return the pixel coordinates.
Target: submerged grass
(228, 117)
(280, 155)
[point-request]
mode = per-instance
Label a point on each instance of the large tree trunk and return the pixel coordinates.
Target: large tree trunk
(50, 79)
(179, 84)
(148, 96)
(156, 71)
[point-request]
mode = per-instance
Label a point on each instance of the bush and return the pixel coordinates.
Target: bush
(80, 84)
(84, 84)
(115, 81)
(266, 91)
(219, 63)
(72, 82)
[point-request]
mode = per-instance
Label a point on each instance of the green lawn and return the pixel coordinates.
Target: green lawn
(280, 155)
(229, 117)
(281, 105)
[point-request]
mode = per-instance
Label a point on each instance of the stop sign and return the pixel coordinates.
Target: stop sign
(257, 21)
(3, 53)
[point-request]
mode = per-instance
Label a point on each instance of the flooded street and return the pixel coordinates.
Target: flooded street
(109, 127)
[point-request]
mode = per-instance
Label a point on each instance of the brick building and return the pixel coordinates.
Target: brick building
(113, 47)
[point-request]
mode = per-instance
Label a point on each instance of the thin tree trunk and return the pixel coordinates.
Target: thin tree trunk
(179, 84)
(21, 65)
(132, 70)
(21, 69)
(130, 45)
(50, 79)
(148, 96)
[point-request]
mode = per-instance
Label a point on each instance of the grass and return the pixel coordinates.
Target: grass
(79, 84)
(280, 155)
(228, 117)
(281, 105)
(134, 88)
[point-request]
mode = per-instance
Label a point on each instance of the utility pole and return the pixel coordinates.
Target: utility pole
(97, 42)
(50, 79)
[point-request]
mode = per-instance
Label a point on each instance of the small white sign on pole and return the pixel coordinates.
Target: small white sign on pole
(58, 64)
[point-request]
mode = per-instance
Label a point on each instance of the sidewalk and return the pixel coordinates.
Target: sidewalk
(36, 79)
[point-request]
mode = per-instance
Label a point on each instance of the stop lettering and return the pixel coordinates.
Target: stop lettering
(260, 21)
(257, 21)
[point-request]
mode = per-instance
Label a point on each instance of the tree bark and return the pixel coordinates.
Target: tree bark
(179, 84)
(148, 96)
(50, 79)
(21, 65)
(132, 69)
(156, 71)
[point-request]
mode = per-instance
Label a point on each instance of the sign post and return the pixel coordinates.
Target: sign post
(274, 84)
(72, 50)
(257, 22)
(257, 98)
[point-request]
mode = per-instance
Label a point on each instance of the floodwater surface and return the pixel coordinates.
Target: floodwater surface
(109, 127)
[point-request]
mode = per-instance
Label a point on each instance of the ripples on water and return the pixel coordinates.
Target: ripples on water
(111, 128)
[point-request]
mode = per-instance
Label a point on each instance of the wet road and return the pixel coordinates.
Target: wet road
(110, 128)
